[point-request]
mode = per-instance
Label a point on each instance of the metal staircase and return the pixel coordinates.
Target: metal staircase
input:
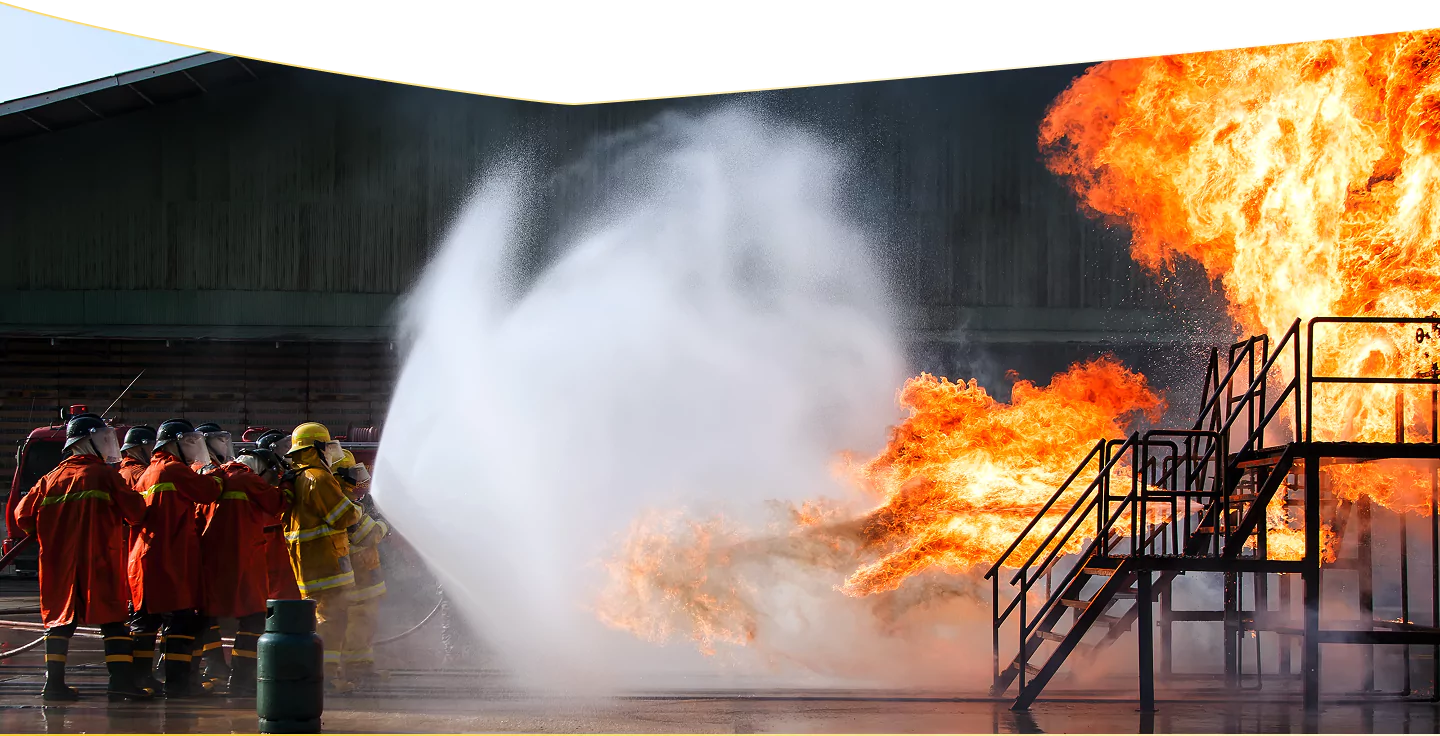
(1185, 494)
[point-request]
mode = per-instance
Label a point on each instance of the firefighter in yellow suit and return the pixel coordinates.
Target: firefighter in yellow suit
(358, 655)
(319, 545)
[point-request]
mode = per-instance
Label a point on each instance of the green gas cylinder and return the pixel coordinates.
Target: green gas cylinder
(290, 688)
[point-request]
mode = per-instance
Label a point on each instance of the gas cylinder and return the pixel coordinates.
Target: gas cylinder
(290, 687)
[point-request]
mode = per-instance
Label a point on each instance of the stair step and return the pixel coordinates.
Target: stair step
(1204, 530)
(1106, 619)
(1032, 670)
(1126, 594)
(1243, 497)
(1072, 603)
(1051, 636)
(1092, 570)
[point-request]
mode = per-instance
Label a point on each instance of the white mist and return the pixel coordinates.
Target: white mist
(712, 330)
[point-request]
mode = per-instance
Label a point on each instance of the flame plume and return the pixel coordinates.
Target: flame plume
(1307, 178)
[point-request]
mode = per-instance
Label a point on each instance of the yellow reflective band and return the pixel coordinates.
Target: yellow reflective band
(364, 655)
(332, 656)
(144, 653)
(246, 633)
(118, 638)
(365, 594)
(119, 658)
(179, 657)
(212, 645)
(338, 511)
(242, 653)
(157, 488)
(54, 658)
(334, 581)
(217, 480)
(75, 496)
(234, 496)
(179, 636)
(314, 532)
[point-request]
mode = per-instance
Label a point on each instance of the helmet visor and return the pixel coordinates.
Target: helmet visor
(220, 446)
(106, 444)
(193, 449)
(334, 453)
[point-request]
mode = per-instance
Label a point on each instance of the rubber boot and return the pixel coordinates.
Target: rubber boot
(243, 656)
(179, 666)
(120, 662)
(57, 647)
(335, 682)
(242, 679)
(144, 657)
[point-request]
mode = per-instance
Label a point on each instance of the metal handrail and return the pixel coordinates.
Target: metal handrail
(1311, 379)
(1099, 445)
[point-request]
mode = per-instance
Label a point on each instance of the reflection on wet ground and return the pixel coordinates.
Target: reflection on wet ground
(405, 708)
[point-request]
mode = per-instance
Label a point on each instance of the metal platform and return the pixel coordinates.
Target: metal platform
(1168, 502)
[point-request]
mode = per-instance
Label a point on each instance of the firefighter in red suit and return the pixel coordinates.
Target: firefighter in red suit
(232, 556)
(283, 586)
(76, 513)
(165, 558)
(135, 453)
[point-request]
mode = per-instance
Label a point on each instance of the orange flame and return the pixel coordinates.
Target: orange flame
(959, 480)
(964, 474)
(1307, 178)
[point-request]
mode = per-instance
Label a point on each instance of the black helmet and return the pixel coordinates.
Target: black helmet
(269, 458)
(81, 427)
(171, 429)
(139, 435)
(267, 440)
(208, 428)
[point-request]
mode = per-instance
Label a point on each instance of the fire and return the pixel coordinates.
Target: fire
(1307, 178)
(958, 481)
(964, 474)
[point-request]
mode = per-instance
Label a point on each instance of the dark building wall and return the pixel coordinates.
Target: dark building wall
(302, 203)
(297, 207)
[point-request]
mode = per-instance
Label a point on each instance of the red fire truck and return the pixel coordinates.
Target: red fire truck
(40, 452)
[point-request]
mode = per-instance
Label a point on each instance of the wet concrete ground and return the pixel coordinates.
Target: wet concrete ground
(426, 702)
(476, 701)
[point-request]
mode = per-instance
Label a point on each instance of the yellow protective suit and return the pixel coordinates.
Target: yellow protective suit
(358, 655)
(315, 534)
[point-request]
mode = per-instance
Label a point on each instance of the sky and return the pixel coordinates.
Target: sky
(39, 53)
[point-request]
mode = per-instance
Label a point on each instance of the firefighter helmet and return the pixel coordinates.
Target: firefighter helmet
(171, 430)
(139, 435)
(308, 435)
(81, 427)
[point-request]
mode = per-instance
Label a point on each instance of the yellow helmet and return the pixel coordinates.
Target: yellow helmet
(307, 435)
(348, 462)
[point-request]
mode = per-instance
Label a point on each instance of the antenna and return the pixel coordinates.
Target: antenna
(122, 393)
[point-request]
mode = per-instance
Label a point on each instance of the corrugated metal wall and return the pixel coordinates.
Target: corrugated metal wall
(303, 182)
(236, 384)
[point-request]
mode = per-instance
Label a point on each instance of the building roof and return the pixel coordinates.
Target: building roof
(123, 93)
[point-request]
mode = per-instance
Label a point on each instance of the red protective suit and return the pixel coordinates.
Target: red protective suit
(232, 545)
(130, 470)
(165, 557)
(283, 586)
(76, 513)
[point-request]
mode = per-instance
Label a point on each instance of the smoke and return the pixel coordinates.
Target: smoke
(710, 331)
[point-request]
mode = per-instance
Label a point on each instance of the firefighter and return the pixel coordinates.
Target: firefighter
(232, 557)
(76, 513)
(208, 650)
(135, 453)
(164, 560)
(358, 655)
(315, 531)
(280, 575)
